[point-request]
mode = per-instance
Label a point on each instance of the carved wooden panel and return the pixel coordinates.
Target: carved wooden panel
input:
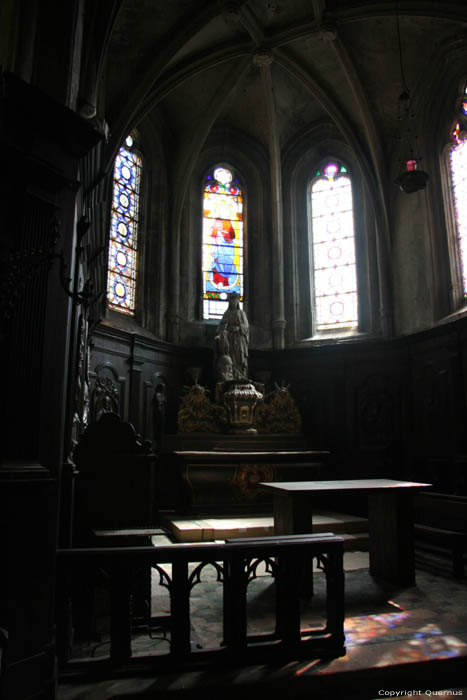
(437, 396)
(155, 409)
(23, 296)
(107, 391)
(376, 406)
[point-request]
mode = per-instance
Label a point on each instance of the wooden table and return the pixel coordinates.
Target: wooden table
(390, 518)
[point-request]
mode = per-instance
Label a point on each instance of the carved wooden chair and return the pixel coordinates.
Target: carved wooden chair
(116, 482)
(115, 505)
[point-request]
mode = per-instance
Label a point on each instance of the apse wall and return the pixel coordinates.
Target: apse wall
(383, 408)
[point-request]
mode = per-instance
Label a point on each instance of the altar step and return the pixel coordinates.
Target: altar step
(353, 529)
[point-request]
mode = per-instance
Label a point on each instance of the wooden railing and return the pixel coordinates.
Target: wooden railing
(236, 564)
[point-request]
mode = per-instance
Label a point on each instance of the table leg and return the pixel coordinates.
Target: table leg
(390, 524)
(293, 515)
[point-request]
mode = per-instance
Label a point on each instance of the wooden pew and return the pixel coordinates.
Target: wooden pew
(234, 561)
(441, 522)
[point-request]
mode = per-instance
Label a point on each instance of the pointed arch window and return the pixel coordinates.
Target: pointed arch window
(123, 244)
(222, 241)
(458, 188)
(334, 272)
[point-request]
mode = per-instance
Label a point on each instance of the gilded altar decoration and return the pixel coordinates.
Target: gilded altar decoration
(248, 476)
(278, 413)
(241, 399)
(197, 414)
(239, 408)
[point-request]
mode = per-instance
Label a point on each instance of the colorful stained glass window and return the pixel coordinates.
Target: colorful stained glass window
(458, 168)
(333, 250)
(123, 245)
(222, 258)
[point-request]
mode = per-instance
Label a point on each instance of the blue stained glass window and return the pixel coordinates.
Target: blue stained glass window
(333, 250)
(123, 244)
(222, 241)
(458, 172)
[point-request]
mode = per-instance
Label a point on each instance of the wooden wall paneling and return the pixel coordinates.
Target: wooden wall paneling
(402, 446)
(154, 406)
(148, 390)
(316, 382)
(42, 144)
(134, 360)
(380, 407)
(166, 364)
(109, 373)
(437, 404)
(375, 411)
(135, 412)
(25, 326)
(375, 390)
(325, 410)
(148, 362)
(135, 373)
(436, 393)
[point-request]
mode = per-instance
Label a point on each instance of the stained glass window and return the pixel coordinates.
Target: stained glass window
(458, 170)
(123, 245)
(222, 258)
(333, 249)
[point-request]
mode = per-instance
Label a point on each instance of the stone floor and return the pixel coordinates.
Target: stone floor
(205, 529)
(410, 641)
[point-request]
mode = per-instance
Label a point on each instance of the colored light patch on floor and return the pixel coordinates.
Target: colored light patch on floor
(361, 630)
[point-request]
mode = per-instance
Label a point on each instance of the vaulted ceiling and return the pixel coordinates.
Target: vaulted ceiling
(272, 68)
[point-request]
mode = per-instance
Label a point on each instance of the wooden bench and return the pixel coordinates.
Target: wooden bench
(441, 522)
(235, 562)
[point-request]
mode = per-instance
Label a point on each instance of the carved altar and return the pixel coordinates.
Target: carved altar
(227, 481)
(237, 435)
(225, 447)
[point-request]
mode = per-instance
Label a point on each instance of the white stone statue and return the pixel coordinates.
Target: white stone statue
(232, 337)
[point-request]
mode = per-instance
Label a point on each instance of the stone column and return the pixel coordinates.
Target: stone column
(263, 59)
